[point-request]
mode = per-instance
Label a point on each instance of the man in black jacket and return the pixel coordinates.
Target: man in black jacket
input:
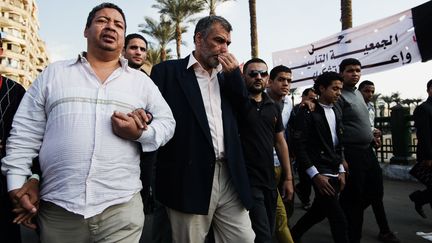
(201, 175)
(423, 124)
(11, 94)
(318, 148)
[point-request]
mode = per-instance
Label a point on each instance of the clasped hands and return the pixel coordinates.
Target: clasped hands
(130, 126)
(25, 201)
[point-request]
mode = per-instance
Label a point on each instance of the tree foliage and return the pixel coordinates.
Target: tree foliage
(180, 12)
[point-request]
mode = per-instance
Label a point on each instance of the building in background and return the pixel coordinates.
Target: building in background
(25, 54)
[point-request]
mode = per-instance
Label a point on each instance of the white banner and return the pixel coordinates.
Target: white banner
(380, 45)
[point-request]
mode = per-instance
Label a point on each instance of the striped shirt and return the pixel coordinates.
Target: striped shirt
(65, 117)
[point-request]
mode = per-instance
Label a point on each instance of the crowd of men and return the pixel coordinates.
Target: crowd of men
(84, 140)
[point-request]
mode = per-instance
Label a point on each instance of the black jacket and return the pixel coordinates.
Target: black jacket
(423, 123)
(313, 144)
(185, 165)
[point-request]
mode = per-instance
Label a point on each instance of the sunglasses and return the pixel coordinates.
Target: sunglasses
(254, 73)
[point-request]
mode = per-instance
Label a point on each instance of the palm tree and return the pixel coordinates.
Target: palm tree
(293, 92)
(408, 102)
(375, 101)
(417, 101)
(162, 32)
(388, 100)
(212, 4)
(396, 98)
(179, 12)
(253, 28)
(154, 56)
(346, 14)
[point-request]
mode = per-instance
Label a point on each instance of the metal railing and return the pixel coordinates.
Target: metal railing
(385, 152)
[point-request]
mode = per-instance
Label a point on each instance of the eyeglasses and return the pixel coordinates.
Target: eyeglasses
(254, 73)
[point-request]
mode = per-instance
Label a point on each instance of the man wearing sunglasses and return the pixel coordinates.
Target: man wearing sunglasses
(261, 129)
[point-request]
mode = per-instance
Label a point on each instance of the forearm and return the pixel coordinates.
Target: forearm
(162, 127)
(283, 155)
(25, 139)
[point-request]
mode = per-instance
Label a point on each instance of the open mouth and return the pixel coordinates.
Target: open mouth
(108, 38)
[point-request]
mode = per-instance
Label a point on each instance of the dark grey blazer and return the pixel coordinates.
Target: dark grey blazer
(185, 165)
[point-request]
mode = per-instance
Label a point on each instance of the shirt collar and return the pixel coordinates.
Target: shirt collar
(326, 106)
(194, 62)
(265, 98)
(352, 89)
(82, 59)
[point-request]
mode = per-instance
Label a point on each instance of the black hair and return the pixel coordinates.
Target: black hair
(101, 6)
(279, 69)
(364, 83)
(429, 84)
(204, 25)
(347, 62)
(253, 60)
(306, 92)
(134, 36)
(325, 80)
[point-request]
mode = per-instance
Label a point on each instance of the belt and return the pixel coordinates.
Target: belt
(221, 160)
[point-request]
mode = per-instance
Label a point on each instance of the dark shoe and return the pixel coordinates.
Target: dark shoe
(418, 207)
(388, 237)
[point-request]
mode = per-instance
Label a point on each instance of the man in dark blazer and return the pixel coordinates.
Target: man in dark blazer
(317, 138)
(423, 124)
(200, 174)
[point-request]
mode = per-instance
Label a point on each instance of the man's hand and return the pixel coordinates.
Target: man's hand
(323, 185)
(309, 104)
(125, 126)
(376, 132)
(26, 203)
(346, 167)
(287, 190)
(377, 137)
(342, 182)
(377, 142)
(142, 119)
(228, 61)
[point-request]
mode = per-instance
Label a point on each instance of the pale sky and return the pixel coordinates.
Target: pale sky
(282, 24)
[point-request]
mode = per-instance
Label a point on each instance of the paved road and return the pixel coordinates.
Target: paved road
(403, 219)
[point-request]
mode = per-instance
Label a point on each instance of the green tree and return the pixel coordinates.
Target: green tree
(293, 92)
(346, 14)
(154, 56)
(212, 4)
(375, 102)
(417, 101)
(180, 12)
(396, 98)
(388, 100)
(162, 32)
(253, 28)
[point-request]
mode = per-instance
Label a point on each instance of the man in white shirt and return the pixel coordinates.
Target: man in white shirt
(74, 116)
(317, 136)
(201, 175)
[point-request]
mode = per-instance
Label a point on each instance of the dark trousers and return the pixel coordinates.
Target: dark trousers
(423, 197)
(9, 232)
(323, 207)
(364, 187)
(304, 187)
(263, 214)
(161, 227)
(380, 215)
